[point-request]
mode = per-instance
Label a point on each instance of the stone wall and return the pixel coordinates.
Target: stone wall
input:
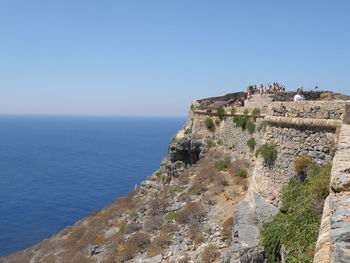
(291, 142)
(226, 131)
(310, 128)
(333, 243)
(309, 109)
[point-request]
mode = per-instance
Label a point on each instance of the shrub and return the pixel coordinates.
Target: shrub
(302, 165)
(241, 173)
(193, 107)
(262, 126)
(269, 153)
(158, 245)
(132, 227)
(169, 228)
(197, 189)
(192, 213)
(140, 240)
(298, 225)
(133, 215)
(233, 110)
(158, 206)
(246, 112)
(153, 224)
(210, 254)
(223, 165)
(256, 112)
(209, 123)
(211, 144)
(241, 122)
(127, 252)
(122, 228)
(196, 234)
(221, 113)
(250, 126)
(188, 131)
(171, 216)
(251, 144)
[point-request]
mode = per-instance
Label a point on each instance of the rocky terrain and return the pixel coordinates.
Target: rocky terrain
(212, 193)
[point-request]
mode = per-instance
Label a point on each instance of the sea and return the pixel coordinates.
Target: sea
(55, 170)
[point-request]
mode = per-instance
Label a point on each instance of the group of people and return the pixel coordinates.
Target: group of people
(269, 88)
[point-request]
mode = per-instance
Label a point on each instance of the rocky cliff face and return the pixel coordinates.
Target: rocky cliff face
(211, 194)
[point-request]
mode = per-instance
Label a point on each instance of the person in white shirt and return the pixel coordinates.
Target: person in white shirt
(299, 96)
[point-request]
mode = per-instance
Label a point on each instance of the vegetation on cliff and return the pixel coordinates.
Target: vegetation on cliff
(294, 230)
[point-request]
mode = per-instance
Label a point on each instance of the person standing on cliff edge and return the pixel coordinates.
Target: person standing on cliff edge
(299, 96)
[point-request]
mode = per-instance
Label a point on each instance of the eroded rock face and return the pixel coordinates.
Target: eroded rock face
(185, 150)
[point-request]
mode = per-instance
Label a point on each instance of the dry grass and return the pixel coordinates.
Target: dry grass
(210, 254)
(169, 228)
(192, 213)
(226, 231)
(159, 244)
(126, 252)
(132, 227)
(153, 224)
(157, 206)
(196, 234)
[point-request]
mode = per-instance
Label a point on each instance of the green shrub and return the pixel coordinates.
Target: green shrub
(297, 226)
(241, 122)
(268, 152)
(223, 165)
(219, 142)
(221, 113)
(122, 228)
(193, 107)
(158, 174)
(233, 110)
(170, 217)
(209, 123)
(188, 131)
(133, 215)
(246, 112)
(241, 173)
(262, 126)
(256, 112)
(250, 126)
(211, 144)
(251, 144)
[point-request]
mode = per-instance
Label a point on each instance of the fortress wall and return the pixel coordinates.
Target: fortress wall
(310, 128)
(291, 142)
(333, 243)
(309, 109)
(230, 135)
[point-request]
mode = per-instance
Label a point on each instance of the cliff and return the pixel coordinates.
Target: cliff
(212, 194)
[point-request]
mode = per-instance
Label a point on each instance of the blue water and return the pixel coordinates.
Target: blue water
(57, 170)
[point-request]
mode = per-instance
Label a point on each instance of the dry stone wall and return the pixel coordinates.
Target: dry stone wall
(333, 245)
(309, 109)
(227, 132)
(291, 142)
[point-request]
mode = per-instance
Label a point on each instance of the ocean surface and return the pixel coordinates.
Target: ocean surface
(57, 170)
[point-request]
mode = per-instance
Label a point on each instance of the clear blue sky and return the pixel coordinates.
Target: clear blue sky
(153, 57)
